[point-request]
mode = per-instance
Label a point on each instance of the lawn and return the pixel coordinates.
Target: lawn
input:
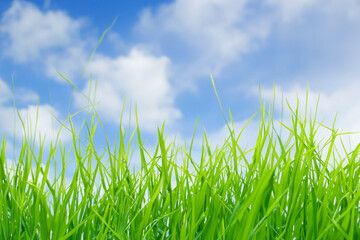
(288, 186)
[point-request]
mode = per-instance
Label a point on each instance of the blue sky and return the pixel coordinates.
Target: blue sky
(160, 54)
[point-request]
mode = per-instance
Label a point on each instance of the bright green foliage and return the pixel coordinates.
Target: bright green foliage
(288, 188)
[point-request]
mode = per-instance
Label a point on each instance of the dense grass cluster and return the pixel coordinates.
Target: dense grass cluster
(282, 188)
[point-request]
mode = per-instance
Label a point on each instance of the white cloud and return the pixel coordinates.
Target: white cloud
(47, 3)
(213, 34)
(289, 10)
(343, 101)
(142, 78)
(50, 38)
(69, 62)
(118, 44)
(292, 9)
(34, 117)
(216, 32)
(31, 32)
(26, 96)
(5, 92)
(350, 8)
(22, 95)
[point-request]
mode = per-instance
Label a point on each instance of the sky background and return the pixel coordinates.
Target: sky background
(159, 54)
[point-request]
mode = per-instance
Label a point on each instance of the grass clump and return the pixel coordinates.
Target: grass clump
(282, 188)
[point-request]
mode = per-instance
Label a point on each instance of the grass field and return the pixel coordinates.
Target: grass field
(281, 188)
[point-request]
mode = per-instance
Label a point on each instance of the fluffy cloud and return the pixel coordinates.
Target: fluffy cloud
(212, 34)
(26, 96)
(292, 9)
(216, 32)
(50, 38)
(22, 95)
(5, 92)
(39, 118)
(34, 117)
(142, 78)
(289, 10)
(345, 102)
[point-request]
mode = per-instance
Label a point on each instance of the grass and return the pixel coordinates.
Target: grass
(282, 188)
